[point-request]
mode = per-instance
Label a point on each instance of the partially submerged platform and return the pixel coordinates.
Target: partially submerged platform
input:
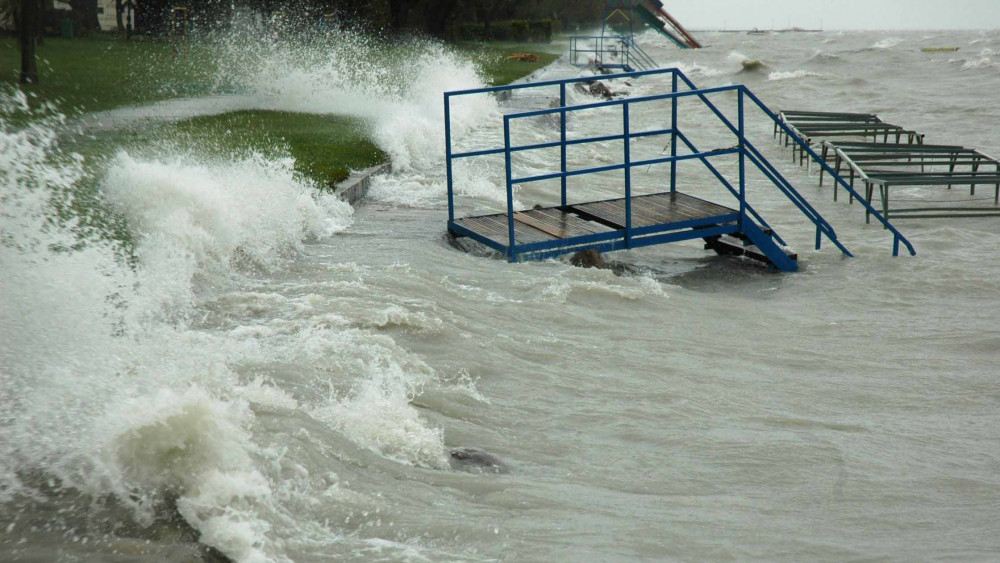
(886, 156)
(550, 231)
(809, 126)
(884, 166)
(636, 219)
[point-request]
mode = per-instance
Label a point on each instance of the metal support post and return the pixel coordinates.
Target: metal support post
(628, 175)
(562, 138)
(511, 255)
(673, 136)
(447, 156)
(743, 171)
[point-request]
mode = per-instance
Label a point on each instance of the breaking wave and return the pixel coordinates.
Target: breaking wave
(888, 43)
(821, 58)
(985, 60)
(401, 97)
(121, 380)
(748, 65)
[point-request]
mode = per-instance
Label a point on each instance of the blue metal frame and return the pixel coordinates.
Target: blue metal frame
(772, 173)
(630, 56)
(630, 237)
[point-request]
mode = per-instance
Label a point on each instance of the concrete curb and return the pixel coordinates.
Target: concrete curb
(354, 188)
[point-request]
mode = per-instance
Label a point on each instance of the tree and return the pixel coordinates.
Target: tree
(86, 14)
(398, 15)
(119, 15)
(28, 35)
(488, 11)
(437, 13)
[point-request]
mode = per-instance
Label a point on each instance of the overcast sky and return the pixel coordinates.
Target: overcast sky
(837, 14)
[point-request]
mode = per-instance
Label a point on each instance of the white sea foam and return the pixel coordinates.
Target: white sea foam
(888, 43)
(791, 75)
(400, 99)
(106, 387)
(91, 398)
(694, 69)
(976, 64)
(191, 218)
(985, 60)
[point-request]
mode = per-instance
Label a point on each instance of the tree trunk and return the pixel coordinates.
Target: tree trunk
(119, 16)
(129, 16)
(40, 23)
(28, 31)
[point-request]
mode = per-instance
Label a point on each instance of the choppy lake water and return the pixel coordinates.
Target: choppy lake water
(280, 378)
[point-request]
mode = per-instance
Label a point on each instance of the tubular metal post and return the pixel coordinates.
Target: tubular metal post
(673, 137)
(511, 255)
(447, 154)
(743, 171)
(562, 138)
(628, 177)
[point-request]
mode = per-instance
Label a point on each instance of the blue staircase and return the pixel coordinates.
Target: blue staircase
(632, 221)
(609, 53)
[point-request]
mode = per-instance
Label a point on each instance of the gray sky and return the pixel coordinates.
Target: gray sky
(837, 14)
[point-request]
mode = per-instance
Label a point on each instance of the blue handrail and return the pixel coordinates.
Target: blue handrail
(722, 180)
(526, 85)
(642, 59)
(744, 149)
(630, 55)
(897, 236)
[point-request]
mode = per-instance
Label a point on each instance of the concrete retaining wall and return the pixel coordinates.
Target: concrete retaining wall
(353, 189)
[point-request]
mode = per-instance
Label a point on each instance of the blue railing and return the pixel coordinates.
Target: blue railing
(640, 59)
(743, 148)
(897, 236)
(451, 156)
(611, 52)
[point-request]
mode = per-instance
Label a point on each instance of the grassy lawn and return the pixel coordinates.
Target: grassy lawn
(325, 147)
(498, 68)
(87, 75)
(102, 73)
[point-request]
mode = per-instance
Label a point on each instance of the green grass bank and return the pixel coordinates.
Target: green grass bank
(96, 74)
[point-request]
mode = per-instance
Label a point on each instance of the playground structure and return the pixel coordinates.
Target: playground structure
(615, 48)
(632, 221)
(886, 156)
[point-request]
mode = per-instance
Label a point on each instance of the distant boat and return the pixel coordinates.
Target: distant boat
(756, 31)
(939, 49)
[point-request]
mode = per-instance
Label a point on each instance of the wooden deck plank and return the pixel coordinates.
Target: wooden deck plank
(531, 221)
(559, 223)
(654, 209)
(494, 227)
(553, 223)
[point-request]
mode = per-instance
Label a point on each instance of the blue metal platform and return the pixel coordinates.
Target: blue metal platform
(632, 221)
(602, 225)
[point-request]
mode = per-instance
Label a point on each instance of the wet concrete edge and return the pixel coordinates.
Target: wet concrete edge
(355, 188)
